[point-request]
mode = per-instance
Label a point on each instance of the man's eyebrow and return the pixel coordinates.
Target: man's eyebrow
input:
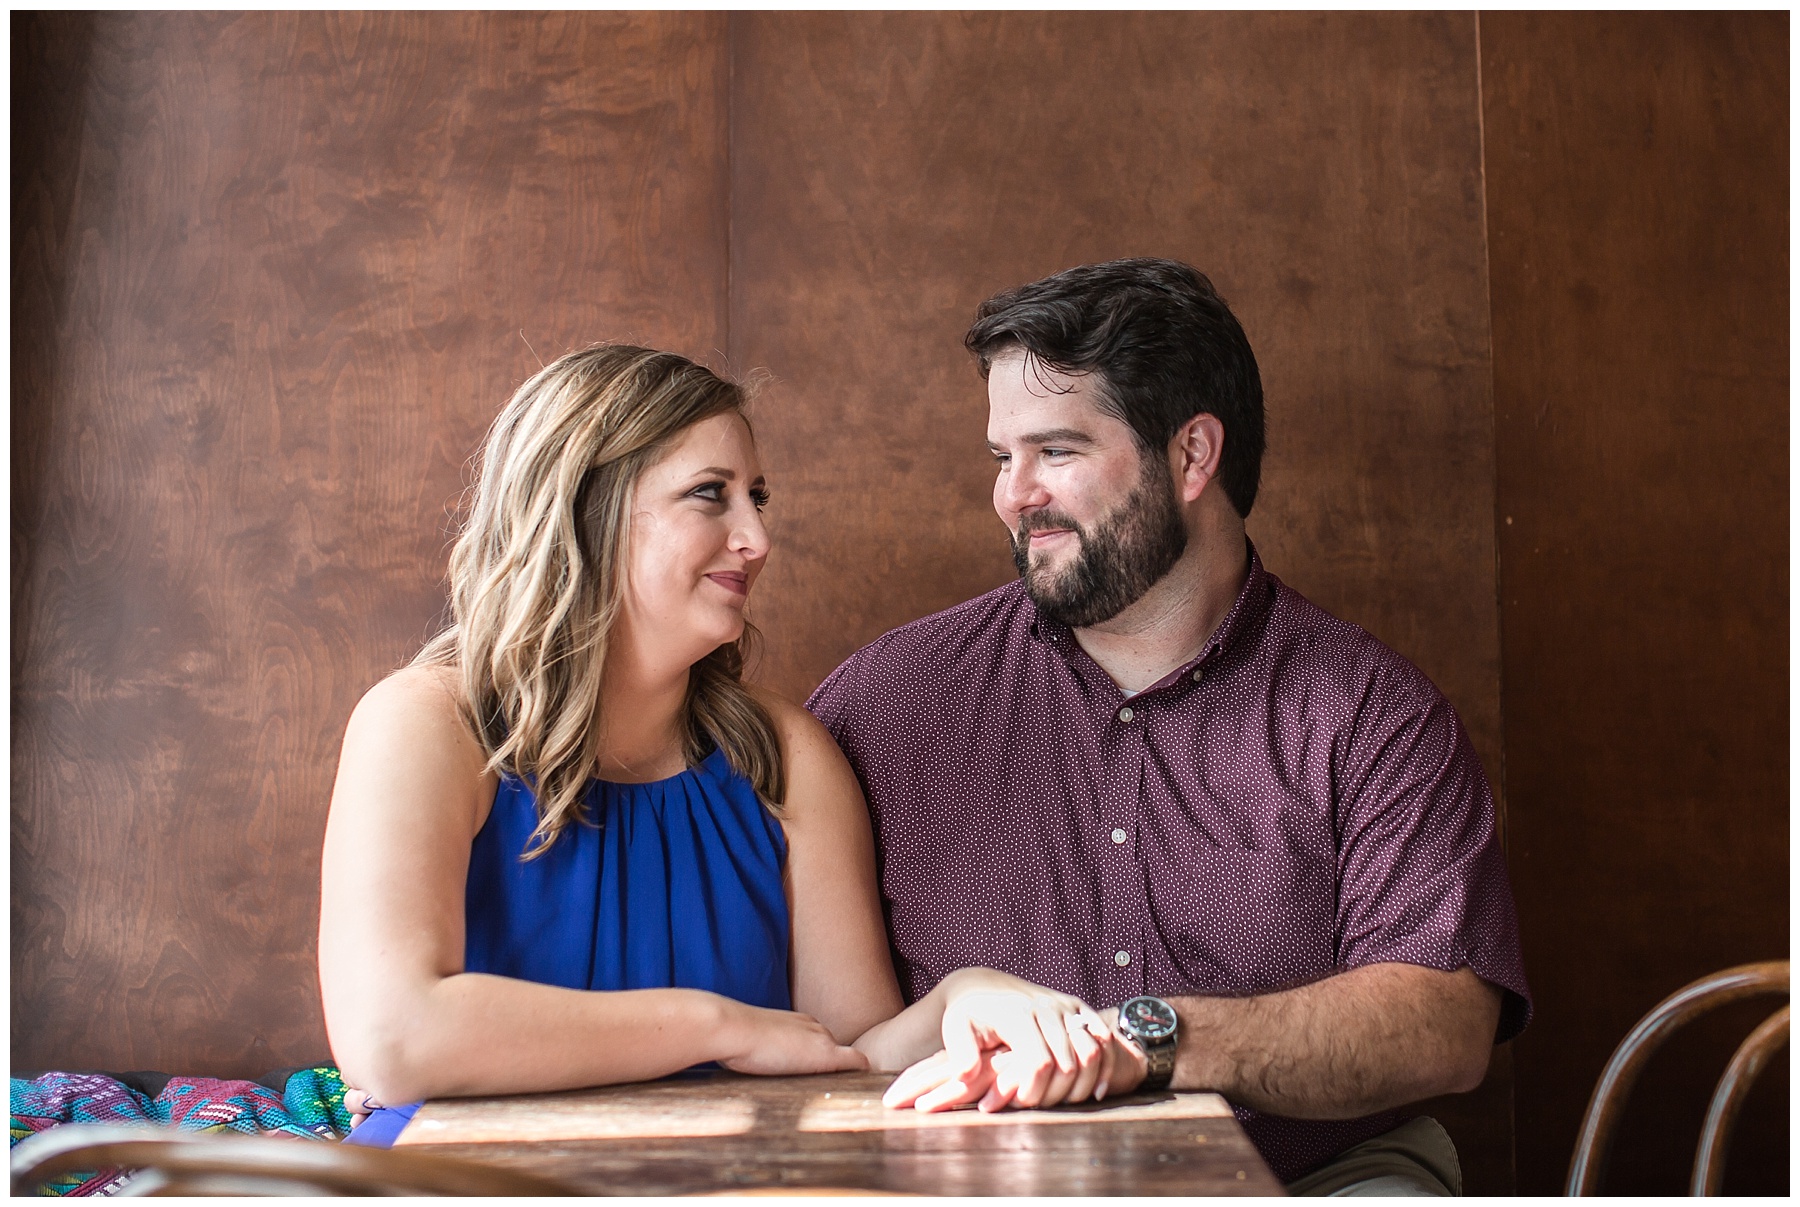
(1058, 435)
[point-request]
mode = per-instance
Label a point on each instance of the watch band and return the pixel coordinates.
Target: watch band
(1160, 1059)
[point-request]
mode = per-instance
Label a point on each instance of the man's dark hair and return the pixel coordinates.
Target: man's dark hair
(1162, 342)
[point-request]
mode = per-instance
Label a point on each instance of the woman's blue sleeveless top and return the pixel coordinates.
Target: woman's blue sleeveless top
(678, 884)
(675, 883)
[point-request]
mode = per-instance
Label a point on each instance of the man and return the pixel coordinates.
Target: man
(1149, 773)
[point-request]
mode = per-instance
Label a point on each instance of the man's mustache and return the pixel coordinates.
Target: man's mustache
(1046, 521)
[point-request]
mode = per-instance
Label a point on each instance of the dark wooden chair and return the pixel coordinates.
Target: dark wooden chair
(186, 1163)
(1629, 1058)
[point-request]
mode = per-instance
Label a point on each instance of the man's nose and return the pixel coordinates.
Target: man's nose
(1020, 490)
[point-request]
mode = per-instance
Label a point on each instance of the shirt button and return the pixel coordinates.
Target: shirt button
(1198, 675)
(1125, 714)
(1122, 958)
(1118, 836)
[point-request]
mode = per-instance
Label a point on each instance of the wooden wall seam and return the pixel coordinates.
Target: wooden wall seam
(1637, 200)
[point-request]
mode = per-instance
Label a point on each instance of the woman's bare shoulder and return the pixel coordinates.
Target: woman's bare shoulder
(818, 775)
(417, 704)
(409, 752)
(799, 731)
(426, 686)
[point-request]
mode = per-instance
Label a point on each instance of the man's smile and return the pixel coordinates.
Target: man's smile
(1046, 538)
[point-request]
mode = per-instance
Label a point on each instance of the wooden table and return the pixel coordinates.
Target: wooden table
(721, 1133)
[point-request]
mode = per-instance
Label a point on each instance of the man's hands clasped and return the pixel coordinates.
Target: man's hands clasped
(1008, 1042)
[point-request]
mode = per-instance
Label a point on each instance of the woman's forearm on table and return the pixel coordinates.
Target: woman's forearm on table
(472, 1034)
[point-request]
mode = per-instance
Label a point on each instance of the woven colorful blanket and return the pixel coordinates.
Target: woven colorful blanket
(308, 1102)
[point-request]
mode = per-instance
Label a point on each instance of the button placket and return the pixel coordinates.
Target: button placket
(1128, 964)
(1119, 877)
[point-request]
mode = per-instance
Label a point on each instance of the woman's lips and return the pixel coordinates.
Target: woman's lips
(734, 581)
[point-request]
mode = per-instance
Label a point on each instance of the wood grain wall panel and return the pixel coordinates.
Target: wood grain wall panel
(891, 171)
(295, 264)
(49, 64)
(271, 273)
(1637, 171)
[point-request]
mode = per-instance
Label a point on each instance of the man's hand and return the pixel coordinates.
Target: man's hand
(1010, 1042)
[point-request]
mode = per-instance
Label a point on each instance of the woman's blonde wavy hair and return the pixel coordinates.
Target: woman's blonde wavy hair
(537, 578)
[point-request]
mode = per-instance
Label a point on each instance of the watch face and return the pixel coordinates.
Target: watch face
(1148, 1017)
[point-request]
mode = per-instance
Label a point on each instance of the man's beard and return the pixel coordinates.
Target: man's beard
(1127, 553)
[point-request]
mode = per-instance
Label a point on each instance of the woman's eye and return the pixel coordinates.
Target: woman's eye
(712, 492)
(760, 498)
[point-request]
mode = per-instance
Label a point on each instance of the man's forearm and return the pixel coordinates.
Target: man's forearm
(1353, 1044)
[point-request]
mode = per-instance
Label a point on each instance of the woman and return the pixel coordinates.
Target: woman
(567, 845)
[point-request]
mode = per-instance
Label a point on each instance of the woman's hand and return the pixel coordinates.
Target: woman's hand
(1010, 1042)
(782, 1042)
(359, 1104)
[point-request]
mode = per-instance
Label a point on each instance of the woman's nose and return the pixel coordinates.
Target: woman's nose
(750, 536)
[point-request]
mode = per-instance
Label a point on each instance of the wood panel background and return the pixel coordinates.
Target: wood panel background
(273, 274)
(1324, 170)
(285, 291)
(1638, 210)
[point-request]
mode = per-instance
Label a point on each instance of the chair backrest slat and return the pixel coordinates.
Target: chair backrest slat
(1747, 1064)
(189, 1159)
(1635, 1050)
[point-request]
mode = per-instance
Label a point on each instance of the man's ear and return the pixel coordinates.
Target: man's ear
(1194, 454)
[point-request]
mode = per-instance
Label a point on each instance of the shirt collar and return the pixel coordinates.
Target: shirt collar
(1247, 610)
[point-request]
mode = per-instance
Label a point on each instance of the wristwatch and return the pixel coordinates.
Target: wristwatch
(1150, 1023)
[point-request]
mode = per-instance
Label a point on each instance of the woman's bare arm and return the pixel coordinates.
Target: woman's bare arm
(405, 1021)
(843, 972)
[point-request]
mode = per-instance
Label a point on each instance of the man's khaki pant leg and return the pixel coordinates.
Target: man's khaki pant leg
(1415, 1159)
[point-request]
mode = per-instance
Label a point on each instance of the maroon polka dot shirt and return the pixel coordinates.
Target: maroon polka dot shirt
(1296, 801)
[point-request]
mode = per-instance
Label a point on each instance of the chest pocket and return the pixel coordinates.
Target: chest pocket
(1252, 921)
